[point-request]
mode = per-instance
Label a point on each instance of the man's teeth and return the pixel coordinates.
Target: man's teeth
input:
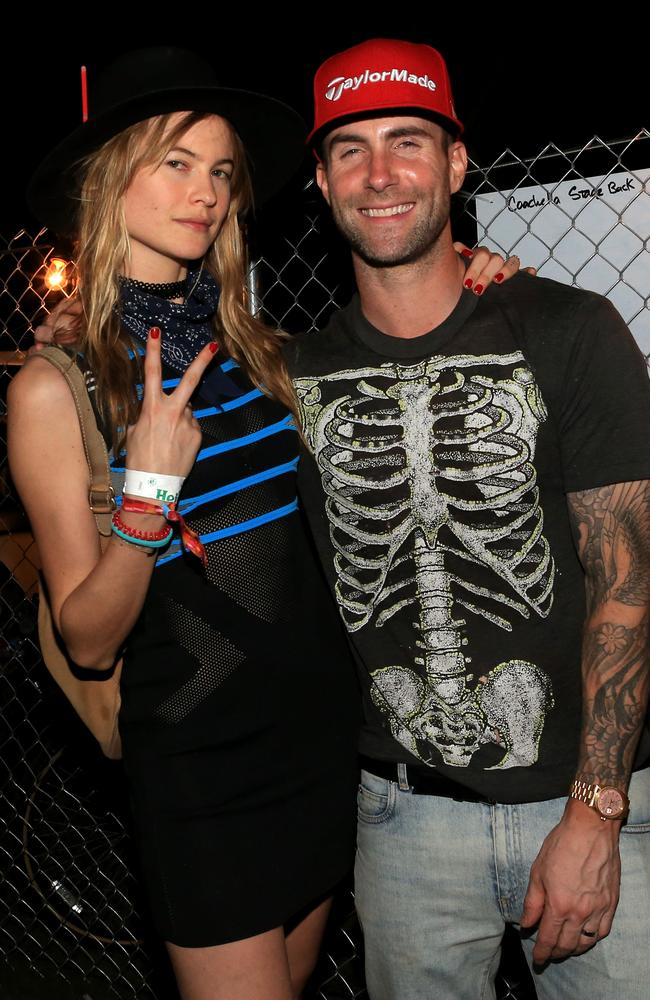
(377, 213)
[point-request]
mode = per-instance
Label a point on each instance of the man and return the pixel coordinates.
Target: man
(458, 445)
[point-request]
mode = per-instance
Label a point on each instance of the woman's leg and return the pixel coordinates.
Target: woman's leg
(265, 967)
(303, 945)
(256, 968)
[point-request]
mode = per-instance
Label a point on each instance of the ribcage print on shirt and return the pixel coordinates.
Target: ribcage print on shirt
(434, 513)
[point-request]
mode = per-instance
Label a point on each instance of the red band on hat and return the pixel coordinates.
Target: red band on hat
(382, 74)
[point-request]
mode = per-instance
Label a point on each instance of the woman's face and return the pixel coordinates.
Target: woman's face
(173, 212)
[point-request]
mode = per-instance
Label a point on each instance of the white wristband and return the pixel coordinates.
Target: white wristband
(153, 485)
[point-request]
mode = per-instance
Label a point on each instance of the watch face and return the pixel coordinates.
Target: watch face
(611, 803)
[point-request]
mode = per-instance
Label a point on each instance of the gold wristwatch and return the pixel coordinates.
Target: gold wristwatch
(607, 801)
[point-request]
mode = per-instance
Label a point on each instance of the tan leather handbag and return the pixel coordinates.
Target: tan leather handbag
(96, 700)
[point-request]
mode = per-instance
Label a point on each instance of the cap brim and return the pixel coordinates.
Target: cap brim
(451, 125)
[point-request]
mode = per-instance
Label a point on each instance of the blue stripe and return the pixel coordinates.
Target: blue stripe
(238, 529)
(190, 503)
(286, 424)
(231, 404)
(167, 383)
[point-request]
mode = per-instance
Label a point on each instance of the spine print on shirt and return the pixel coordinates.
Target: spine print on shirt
(434, 515)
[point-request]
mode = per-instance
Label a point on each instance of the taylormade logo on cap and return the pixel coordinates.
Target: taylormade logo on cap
(336, 86)
(399, 75)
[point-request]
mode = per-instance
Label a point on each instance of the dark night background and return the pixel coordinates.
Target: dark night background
(518, 82)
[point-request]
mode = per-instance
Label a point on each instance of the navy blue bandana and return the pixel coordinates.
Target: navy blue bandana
(186, 327)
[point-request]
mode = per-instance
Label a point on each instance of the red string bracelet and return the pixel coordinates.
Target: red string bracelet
(145, 536)
(189, 538)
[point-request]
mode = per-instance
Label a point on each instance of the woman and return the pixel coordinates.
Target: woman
(239, 706)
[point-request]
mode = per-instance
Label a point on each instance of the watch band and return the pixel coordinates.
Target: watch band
(599, 798)
(585, 792)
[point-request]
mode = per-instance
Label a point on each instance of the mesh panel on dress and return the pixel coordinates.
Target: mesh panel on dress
(217, 655)
(235, 423)
(267, 593)
(254, 501)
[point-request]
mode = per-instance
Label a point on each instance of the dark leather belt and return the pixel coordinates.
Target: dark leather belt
(429, 782)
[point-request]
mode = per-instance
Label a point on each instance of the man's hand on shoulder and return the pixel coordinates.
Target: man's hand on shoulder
(60, 326)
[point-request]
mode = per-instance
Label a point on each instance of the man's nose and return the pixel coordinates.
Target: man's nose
(381, 172)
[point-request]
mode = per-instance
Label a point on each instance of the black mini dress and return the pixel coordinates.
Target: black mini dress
(240, 706)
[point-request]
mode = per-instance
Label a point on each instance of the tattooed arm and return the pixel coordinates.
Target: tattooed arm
(574, 881)
(612, 529)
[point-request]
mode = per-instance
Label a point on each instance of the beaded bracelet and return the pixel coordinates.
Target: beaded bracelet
(189, 538)
(146, 539)
(146, 536)
(145, 543)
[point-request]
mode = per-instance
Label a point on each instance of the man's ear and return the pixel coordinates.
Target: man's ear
(321, 180)
(457, 166)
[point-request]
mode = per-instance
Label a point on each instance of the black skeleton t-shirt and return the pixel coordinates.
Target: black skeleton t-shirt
(436, 493)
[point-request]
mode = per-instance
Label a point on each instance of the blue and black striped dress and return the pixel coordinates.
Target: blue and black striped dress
(240, 705)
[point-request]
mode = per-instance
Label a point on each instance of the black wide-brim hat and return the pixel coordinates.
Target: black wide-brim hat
(157, 81)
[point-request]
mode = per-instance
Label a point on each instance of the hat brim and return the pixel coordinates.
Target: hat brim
(273, 135)
(451, 125)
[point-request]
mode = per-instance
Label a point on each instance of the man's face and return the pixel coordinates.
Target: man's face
(388, 182)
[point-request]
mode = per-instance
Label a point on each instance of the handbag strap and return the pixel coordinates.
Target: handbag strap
(101, 496)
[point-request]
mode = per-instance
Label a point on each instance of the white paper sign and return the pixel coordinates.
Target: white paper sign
(592, 232)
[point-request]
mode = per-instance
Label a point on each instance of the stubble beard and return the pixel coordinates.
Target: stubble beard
(418, 242)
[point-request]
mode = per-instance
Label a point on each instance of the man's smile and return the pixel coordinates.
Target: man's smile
(380, 213)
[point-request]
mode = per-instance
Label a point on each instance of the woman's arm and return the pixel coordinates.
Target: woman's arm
(96, 597)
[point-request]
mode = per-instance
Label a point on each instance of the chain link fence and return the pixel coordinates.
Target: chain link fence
(71, 915)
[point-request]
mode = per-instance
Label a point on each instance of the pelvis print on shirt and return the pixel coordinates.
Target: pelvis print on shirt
(434, 514)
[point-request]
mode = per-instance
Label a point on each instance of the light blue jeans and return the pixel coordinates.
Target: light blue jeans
(437, 880)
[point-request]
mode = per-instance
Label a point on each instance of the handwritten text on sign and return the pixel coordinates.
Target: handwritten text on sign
(592, 232)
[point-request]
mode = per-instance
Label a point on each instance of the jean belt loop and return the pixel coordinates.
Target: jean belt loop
(402, 778)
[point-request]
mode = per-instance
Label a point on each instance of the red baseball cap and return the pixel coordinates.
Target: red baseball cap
(382, 74)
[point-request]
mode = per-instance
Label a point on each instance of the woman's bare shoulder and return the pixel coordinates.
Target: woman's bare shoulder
(38, 385)
(42, 422)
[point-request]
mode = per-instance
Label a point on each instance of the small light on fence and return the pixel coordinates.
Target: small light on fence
(55, 276)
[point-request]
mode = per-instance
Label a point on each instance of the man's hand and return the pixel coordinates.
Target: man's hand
(574, 885)
(59, 326)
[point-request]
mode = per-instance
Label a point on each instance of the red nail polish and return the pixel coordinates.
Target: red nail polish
(478, 290)
(467, 253)
(468, 282)
(499, 276)
(154, 333)
(213, 347)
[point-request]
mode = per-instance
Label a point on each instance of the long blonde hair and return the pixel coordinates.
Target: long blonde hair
(103, 251)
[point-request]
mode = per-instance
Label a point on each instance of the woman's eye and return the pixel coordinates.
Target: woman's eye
(176, 164)
(221, 174)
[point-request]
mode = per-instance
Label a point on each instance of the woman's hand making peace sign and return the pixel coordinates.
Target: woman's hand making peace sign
(166, 438)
